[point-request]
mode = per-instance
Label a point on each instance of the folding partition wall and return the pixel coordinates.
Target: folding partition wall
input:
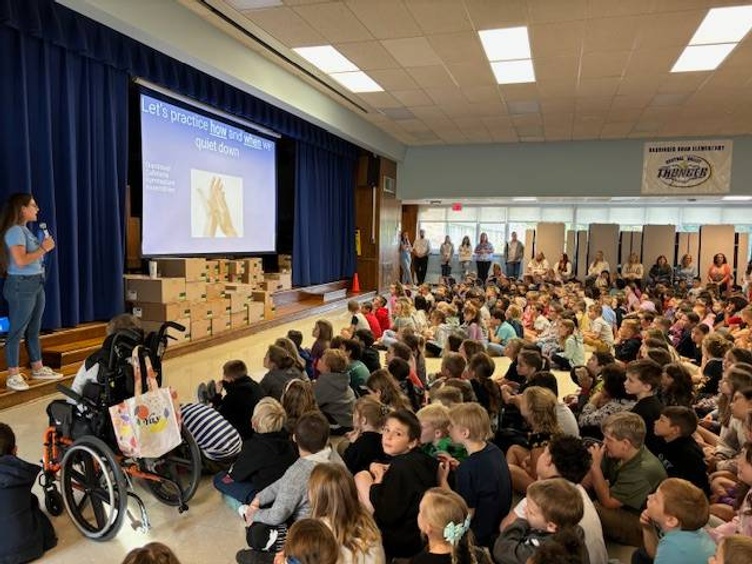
(658, 240)
(715, 239)
(603, 237)
(549, 239)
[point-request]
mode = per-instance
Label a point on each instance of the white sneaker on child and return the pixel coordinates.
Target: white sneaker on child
(45, 373)
(16, 383)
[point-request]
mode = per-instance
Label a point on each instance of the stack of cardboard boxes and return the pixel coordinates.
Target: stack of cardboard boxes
(208, 297)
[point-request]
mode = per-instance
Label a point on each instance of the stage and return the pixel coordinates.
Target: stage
(65, 349)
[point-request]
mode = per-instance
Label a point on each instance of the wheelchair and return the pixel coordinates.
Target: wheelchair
(84, 471)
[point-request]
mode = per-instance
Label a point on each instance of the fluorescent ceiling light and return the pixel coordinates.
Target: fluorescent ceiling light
(506, 44)
(513, 72)
(357, 81)
(724, 25)
(253, 4)
(736, 198)
(702, 57)
(525, 199)
(326, 58)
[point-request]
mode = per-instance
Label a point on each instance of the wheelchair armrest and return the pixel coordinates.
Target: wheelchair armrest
(78, 398)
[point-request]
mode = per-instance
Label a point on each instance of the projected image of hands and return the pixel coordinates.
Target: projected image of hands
(216, 205)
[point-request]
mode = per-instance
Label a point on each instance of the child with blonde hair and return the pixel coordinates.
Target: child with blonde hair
(334, 500)
(538, 407)
(444, 520)
(482, 479)
(734, 549)
(434, 432)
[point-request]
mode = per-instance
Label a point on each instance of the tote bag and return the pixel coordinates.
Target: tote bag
(146, 425)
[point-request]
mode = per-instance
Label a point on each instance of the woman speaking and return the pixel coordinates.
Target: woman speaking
(21, 262)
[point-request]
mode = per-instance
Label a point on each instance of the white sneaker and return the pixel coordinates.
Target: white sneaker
(16, 383)
(45, 373)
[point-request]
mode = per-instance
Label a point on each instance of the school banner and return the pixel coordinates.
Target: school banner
(676, 168)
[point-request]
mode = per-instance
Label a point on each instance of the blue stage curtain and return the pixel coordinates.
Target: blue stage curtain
(63, 137)
(64, 97)
(324, 238)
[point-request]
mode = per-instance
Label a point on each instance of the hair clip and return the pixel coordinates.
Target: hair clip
(453, 532)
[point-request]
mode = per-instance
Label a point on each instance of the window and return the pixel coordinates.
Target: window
(497, 235)
(435, 232)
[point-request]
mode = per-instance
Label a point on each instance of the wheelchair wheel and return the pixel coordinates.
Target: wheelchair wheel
(182, 465)
(94, 488)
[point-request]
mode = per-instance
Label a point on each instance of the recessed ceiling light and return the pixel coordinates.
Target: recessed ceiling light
(326, 58)
(525, 199)
(253, 4)
(357, 81)
(702, 57)
(724, 25)
(507, 44)
(736, 198)
(513, 72)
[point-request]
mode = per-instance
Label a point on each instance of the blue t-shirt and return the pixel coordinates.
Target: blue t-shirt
(483, 481)
(505, 332)
(685, 547)
(20, 235)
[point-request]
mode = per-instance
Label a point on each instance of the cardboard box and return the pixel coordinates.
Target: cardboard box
(215, 291)
(237, 301)
(140, 288)
(284, 262)
(180, 336)
(192, 269)
(212, 271)
(255, 312)
(160, 312)
(208, 309)
(200, 329)
(278, 281)
(220, 324)
(195, 291)
(239, 318)
(266, 299)
(222, 270)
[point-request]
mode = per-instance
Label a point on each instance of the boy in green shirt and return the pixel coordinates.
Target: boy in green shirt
(434, 432)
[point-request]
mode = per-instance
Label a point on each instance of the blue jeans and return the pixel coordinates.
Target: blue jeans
(25, 297)
(244, 492)
(513, 270)
(406, 263)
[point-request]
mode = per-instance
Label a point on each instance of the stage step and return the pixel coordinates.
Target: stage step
(327, 296)
(37, 388)
(296, 295)
(70, 353)
(73, 335)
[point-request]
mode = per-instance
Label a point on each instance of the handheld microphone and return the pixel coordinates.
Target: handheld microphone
(45, 231)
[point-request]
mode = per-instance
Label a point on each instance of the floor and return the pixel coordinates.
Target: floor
(209, 531)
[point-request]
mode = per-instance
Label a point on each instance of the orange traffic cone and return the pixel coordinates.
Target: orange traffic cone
(355, 284)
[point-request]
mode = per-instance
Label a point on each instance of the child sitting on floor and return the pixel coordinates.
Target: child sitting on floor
(434, 432)
(365, 439)
(26, 532)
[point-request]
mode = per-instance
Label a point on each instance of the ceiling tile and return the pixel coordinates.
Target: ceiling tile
(652, 61)
(285, 25)
(457, 47)
(380, 99)
(398, 114)
(558, 119)
(527, 119)
(741, 56)
(556, 68)
(616, 130)
(445, 95)
(480, 94)
(594, 103)
(432, 77)
(557, 88)
(668, 29)
(512, 92)
(556, 10)
(492, 14)
(606, 8)
(604, 64)
(393, 79)
(413, 97)
(529, 130)
(368, 55)
(334, 21)
(412, 52)
(472, 74)
(598, 86)
(611, 34)
(386, 19)
(556, 39)
(497, 122)
(624, 114)
(674, 83)
(440, 16)
(413, 125)
(645, 85)
(630, 102)
(523, 107)
(554, 105)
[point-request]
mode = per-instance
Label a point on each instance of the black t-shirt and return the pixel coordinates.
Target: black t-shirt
(426, 557)
(649, 409)
(365, 450)
(683, 458)
(713, 371)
